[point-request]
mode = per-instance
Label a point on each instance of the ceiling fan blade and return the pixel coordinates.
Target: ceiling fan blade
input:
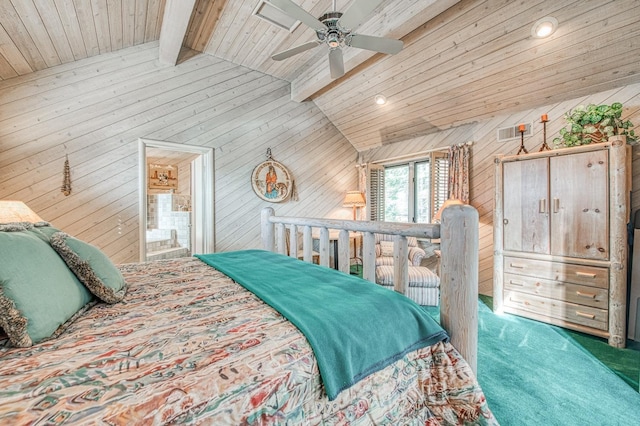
(377, 44)
(294, 51)
(336, 63)
(356, 14)
(296, 12)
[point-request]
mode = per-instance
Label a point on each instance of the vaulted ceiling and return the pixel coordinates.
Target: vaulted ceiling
(463, 60)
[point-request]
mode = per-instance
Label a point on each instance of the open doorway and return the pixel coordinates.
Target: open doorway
(176, 200)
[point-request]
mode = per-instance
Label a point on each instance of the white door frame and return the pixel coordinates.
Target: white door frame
(202, 203)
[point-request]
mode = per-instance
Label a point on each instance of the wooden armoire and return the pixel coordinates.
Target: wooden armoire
(560, 237)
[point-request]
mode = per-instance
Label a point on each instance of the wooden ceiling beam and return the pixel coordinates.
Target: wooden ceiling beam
(177, 15)
(403, 18)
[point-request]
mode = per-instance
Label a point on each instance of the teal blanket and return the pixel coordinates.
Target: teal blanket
(354, 327)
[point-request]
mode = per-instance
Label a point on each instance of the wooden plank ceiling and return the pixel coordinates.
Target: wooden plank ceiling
(463, 60)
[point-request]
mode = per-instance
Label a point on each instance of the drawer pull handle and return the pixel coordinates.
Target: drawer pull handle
(589, 295)
(517, 265)
(514, 282)
(516, 301)
(585, 274)
(582, 314)
(542, 208)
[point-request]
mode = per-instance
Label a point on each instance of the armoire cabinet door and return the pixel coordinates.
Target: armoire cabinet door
(579, 205)
(526, 205)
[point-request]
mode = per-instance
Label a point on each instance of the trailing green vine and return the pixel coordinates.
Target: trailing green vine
(594, 123)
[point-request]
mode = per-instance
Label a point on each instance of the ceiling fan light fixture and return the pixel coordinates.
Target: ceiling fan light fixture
(380, 99)
(544, 27)
(333, 40)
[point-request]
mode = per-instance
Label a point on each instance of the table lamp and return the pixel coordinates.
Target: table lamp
(17, 211)
(354, 199)
(447, 203)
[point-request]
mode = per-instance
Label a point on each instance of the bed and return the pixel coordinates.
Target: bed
(183, 343)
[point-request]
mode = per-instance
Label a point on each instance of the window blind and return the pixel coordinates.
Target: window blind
(375, 192)
(440, 179)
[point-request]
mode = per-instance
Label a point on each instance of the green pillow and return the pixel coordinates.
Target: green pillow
(38, 292)
(91, 266)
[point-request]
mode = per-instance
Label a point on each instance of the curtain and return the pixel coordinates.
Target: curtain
(459, 172)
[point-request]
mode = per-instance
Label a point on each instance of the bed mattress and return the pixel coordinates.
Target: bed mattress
(189, 345)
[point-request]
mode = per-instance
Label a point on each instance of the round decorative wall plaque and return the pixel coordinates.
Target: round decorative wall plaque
(271, 181)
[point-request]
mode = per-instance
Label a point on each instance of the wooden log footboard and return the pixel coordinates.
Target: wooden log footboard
(458, 233)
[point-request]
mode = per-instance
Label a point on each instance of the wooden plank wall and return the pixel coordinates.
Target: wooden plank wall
(485, 148)
(94, 110)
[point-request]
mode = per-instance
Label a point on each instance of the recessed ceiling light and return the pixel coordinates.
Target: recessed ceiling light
(544, 27)
(380, 99)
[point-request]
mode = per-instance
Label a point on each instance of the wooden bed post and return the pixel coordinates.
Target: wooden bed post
(281, 238)
(619, 209)
(307, 244)
(293, 241)
(268, 228)
(459, 279)
(344, 248)
(369, 256)
(324, 247)
(400, 264)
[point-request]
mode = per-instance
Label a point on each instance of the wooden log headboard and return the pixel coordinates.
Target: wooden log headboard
(458, 233)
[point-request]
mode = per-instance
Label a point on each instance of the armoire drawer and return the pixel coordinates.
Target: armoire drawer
(570, 312)
(575, 293)
(567, 272)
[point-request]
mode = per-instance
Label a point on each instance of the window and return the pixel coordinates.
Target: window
(409, 192)
(396, 193)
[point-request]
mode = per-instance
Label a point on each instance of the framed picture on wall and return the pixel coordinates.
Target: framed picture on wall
(271, 181)
(162, 176)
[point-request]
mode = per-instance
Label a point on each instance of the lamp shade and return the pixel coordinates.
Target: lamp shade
(449, 202)
(17, 211)
(354, 199)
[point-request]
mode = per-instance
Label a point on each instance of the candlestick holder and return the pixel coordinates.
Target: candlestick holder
(522, 148)
(544, 120)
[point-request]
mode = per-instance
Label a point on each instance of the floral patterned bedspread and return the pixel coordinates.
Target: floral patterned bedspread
(188, 345)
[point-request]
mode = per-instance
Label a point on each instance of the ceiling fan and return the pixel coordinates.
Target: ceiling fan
(335, 29)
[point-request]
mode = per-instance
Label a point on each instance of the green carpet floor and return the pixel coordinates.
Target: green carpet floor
(624, 362)
(537, 374)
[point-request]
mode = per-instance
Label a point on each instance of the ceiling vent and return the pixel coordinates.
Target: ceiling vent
(510, 133)
(273, 15)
